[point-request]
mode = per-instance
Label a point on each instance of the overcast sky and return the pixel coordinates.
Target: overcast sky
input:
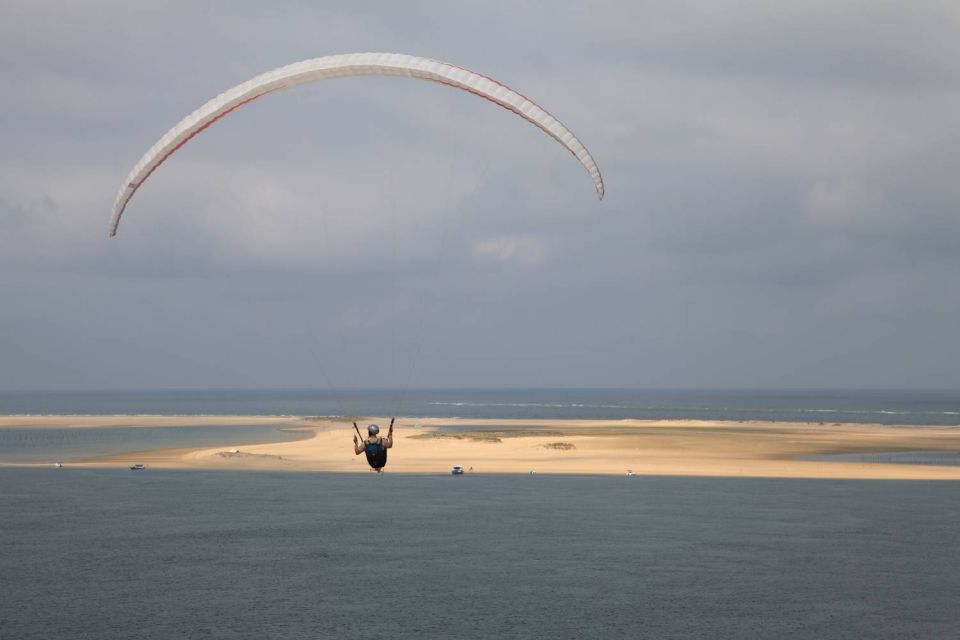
(782, 210)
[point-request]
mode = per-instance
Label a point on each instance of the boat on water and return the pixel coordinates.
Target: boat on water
(457, 470)
(137, 467)
(630, 474)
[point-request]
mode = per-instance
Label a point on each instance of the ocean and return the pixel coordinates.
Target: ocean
(108, 553)
(877, 406)
(99, 553)
(48, 445)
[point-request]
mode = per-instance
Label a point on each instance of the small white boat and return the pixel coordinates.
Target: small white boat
(58, 465)
(630, 474)
(457, 470)
(137, 467)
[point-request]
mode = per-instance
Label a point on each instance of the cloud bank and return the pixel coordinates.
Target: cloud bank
(782, 204)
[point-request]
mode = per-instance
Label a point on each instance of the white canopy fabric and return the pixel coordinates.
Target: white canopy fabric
(338, 66)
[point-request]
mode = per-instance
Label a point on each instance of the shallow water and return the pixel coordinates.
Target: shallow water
(163, 554)
(936, 458)
(65, 445)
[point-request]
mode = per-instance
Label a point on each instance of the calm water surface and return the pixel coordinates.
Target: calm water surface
(936, 458)
(65, 445)
(111, 554)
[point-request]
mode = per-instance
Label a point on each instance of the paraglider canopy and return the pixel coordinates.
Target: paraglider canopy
(338, 66)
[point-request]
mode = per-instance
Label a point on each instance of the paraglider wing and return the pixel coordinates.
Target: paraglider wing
(339, 66)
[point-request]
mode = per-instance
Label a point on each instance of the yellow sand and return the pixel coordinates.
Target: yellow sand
(675, 447)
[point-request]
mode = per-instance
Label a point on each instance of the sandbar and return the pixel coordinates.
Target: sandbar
(609, 447)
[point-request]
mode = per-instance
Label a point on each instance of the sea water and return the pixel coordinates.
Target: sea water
(88, 553)
(883, 407)
(50, 444)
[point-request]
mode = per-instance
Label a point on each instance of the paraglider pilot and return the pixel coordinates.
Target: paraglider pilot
(374, 446)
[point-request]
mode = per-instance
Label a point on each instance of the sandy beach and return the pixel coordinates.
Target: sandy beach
(685, 447)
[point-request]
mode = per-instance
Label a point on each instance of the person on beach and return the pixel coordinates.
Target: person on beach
(374, 446)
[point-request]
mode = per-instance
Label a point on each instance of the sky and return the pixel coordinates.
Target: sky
(782, 208)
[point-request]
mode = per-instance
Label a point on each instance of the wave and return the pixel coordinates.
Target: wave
(546, 405)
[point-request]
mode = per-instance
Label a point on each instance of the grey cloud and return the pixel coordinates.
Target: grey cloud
(782, 206)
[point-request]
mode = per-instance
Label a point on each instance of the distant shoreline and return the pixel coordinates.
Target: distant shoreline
(610, 447)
